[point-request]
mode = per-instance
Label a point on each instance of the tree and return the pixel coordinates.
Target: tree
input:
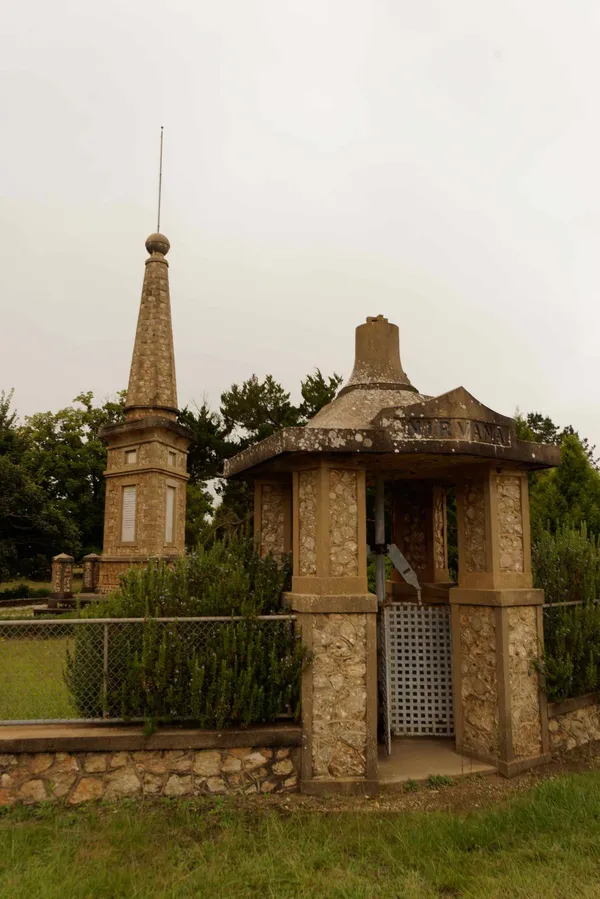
(570, 494)
(67, 459)
(251, 413)
(316, 393)
(32, 525)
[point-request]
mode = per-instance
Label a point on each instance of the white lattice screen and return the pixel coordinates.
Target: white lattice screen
(419, 664)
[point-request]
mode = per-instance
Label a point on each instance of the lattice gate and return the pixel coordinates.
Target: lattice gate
(416, 669)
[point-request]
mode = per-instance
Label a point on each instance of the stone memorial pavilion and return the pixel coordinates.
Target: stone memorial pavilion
(444, 659)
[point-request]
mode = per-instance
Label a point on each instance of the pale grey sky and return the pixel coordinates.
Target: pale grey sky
(434, 161)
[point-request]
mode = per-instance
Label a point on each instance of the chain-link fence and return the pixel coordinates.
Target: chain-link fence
(215, 671)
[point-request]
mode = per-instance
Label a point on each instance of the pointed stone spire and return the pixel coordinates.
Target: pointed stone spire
(152, 385)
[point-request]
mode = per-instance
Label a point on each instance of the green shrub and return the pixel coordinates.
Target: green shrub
(218, 674)
(566, 565)
(24, 591)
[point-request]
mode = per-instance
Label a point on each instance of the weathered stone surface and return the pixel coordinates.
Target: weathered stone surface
(207, 763)
(216, 785)
(307, 511)
(269, 786)
(231, 765)
(339, 696)
(182, 764)
(32, 791)
(7, 797)
(524, 685)
(87, 789)
(479, 686)
(240, 753)
(575, 728)
(40, 762)
(103, 775)
(95, 762)
(440, 542)
(179, 786)
(474, 526)
(152, 783)
(8, 761)
(123, 782)
(61, 784)
(272, 521)
(151, 761)
(254, 760)
(343, 523)
(285, 766)
(510, 523)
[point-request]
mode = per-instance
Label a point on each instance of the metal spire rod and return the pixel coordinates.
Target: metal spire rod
(160, 178)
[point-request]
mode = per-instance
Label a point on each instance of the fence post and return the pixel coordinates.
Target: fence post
(105, 674)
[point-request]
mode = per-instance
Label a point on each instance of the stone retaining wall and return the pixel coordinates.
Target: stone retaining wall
(77, 777)
(574, 722)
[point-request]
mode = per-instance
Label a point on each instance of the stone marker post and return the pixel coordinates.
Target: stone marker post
(497, 626)
(62, 576)
(337, 617)
(91, 572)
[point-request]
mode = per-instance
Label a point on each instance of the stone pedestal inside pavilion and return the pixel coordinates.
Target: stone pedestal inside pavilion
(311, 489)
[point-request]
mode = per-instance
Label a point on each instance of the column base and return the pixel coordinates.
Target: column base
(319, 604)
(502, 596)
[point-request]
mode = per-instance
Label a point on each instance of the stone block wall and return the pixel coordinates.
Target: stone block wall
(573, 723)
(75, 777)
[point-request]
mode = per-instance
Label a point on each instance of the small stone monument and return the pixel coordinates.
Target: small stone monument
(62, 576)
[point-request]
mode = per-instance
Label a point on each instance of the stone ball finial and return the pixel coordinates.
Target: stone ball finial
(158, 243)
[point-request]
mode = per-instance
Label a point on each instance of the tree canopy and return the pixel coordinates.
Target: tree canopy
(52, 464)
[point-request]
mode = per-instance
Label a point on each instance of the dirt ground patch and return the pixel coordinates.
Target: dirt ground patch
(464, 795)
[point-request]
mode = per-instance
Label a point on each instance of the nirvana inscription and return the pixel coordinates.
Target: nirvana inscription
(457, 429)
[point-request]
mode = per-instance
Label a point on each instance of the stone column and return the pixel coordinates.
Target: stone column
(337, 617)
(419, 530)
(91, 572)
(62, 576)
(273, 516)
(497, 628)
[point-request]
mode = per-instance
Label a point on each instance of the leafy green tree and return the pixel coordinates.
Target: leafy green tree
(32, 524)
(66, 458)
(317, 392)
(251, 413)
(570, 494)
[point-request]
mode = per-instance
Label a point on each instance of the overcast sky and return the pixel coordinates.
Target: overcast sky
(435, 161)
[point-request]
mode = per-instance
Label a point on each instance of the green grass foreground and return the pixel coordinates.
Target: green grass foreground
(31, 679)
(543, 844)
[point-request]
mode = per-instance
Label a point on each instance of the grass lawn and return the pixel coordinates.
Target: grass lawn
(31, 680)
(545, 843)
